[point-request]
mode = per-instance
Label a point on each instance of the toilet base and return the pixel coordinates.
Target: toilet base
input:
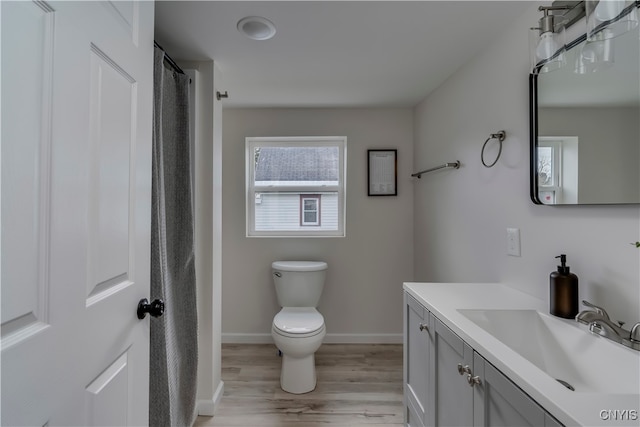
(298, 374)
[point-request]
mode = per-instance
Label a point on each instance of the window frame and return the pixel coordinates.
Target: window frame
(251, 143)
(555, 188)
(317, 198)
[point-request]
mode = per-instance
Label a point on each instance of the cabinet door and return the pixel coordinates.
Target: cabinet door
(452, 397)
(416, 361)
(499, 402)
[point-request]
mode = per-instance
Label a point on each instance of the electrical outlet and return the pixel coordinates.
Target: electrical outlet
(513, 241)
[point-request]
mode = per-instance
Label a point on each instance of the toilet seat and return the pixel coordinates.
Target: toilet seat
(298, 322)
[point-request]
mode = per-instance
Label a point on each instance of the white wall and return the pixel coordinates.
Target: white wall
(207, 161)
(461, 216)
(362, 298)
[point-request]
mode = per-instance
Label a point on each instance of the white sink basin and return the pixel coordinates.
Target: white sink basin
(564, 351)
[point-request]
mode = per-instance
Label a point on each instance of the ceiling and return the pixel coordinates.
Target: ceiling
(333, 53)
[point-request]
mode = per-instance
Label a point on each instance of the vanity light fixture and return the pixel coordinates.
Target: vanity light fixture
(547, 43)
(256, 27)
(595, 56)
(607, 19)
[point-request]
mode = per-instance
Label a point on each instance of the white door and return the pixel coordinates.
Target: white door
(77, 82)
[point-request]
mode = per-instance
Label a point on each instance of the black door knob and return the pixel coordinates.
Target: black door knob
(155, 308)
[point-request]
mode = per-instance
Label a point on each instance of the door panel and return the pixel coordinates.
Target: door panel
(127, 13)
(26, 111)
(499, 402)
(417, 368)
(453, 396)
(76, 182)
(107, 395)
(112, 117)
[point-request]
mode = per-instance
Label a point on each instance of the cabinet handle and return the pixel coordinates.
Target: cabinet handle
(473, 380)
(464, 369)
(423, 327)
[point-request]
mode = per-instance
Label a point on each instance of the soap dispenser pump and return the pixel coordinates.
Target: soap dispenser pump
(563, 285)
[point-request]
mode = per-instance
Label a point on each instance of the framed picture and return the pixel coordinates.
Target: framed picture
(382, 172)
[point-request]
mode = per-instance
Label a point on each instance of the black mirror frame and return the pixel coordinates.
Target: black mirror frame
(533, 135)
(533, 125)
(533, 132)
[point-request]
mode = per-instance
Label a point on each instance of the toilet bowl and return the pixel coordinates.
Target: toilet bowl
(298, 334)
(298, 329)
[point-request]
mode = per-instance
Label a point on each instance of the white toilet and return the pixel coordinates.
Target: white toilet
(298, 329)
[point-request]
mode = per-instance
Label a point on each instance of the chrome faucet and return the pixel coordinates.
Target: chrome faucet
(599, 310)
(599, 323)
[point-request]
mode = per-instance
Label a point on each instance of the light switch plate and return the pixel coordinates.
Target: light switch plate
(513, 241)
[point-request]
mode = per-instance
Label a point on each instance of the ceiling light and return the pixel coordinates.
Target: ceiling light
(256, 27)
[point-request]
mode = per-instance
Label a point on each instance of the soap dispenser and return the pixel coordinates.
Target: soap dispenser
(563, 301)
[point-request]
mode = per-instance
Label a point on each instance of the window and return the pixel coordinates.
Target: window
(295, 186)
(557, 169)
(310, 209)
(549, 188)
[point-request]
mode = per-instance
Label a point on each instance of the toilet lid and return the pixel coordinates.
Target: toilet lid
(298, 320)
(299, 265)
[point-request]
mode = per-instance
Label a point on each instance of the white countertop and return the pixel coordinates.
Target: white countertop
(569, 407)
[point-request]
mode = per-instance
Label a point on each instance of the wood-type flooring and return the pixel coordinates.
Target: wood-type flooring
(358, 385)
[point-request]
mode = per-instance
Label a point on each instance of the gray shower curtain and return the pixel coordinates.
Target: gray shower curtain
(174, 346)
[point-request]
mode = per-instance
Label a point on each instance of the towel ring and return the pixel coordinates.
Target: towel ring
(500, 136)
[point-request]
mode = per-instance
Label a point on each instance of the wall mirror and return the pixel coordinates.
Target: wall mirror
(585, 125)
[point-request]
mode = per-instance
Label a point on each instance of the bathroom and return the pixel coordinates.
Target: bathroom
(449, 226)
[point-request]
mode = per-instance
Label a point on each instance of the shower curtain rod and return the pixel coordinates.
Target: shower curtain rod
(169, 59)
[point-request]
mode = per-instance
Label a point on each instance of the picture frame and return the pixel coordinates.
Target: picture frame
(382, 172)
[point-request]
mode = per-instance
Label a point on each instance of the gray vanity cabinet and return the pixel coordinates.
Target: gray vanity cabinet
(452, 397)
(434, 392)
(416, 361)
(499, 402)
(439, 370)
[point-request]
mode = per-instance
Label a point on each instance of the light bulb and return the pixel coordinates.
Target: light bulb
(608, 9)
(547, 46)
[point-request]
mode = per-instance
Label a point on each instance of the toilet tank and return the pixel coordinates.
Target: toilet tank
(299, 283)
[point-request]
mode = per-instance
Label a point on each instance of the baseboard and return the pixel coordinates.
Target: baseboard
(207, 408)
(231, 338)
